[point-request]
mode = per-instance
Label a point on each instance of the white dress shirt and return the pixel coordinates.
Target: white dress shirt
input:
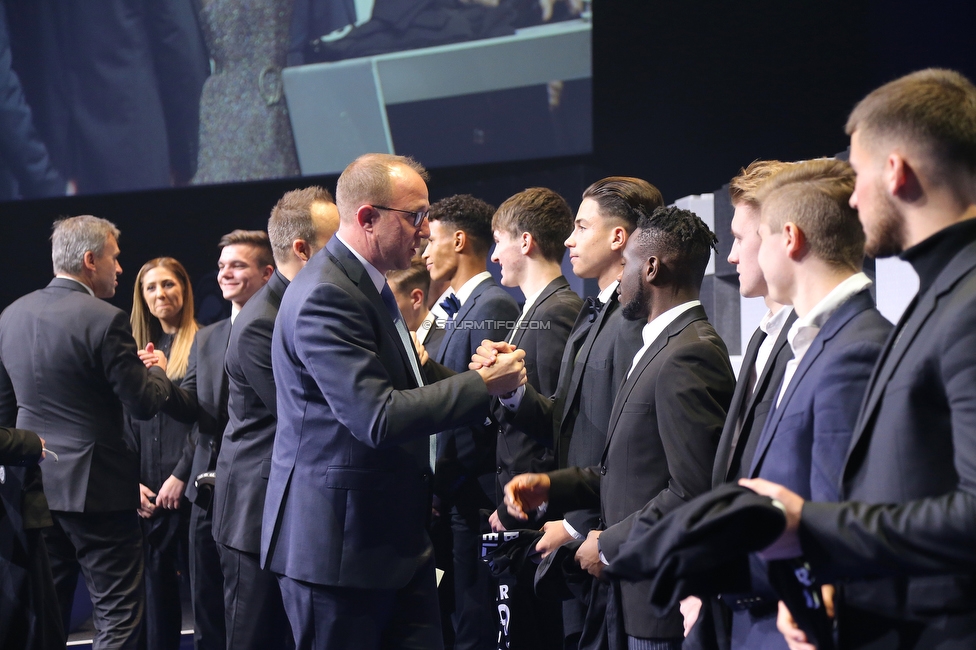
(805, 329)
(772, 324)
(654, 328)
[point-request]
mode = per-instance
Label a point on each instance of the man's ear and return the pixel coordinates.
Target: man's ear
(794, 240)
(618, 238)
(901, 179)
(417, 298)
(528, 243)
(301, 249)
(365, 216)
(267, 272)
(460, 240)
(652, 269)
(88, 261)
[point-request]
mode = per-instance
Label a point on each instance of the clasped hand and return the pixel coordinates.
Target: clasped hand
(500, 365)
(153, 357)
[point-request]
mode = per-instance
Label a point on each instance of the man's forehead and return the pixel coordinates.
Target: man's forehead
(245, 252)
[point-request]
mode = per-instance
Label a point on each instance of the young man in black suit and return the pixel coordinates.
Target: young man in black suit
(530, 229)
(811, 256)
(300, 225)
(597, 354)
(477, 309)
(903, 538)
(243, 268)
(760, 374)
(666, 418)
(69, 366)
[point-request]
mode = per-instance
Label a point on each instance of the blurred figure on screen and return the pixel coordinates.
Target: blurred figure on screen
(325, 30)
(244, 129)
(114, 86)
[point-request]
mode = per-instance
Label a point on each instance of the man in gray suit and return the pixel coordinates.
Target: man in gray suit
(68, 367)
(300, 225)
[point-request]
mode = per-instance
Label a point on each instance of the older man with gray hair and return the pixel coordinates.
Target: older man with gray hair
(68, 368)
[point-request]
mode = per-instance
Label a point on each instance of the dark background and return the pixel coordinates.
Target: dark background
(685, 93)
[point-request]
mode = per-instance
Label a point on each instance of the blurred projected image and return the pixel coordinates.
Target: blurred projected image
(118, 95)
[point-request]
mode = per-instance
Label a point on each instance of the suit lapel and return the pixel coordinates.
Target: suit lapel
(580, 357)
(676, 326)
(354, 270)
(763, 380)
(856, 304)
(551, 288)
(731, 431)
(901, 338)
(461, 314)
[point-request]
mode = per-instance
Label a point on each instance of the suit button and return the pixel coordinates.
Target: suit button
(603, 470)
(498, 470)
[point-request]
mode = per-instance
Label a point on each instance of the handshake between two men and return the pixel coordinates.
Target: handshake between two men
(502, 367)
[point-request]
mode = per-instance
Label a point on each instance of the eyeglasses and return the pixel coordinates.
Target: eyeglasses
(418, 216)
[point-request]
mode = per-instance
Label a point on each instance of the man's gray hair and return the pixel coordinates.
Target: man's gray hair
(75, 236)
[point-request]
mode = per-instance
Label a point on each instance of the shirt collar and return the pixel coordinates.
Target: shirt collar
(530, 300)
(823, 310)
(772, 324)
(468, 287)
(378, 280)
(605, 295)
(653, 329)
(68, 277)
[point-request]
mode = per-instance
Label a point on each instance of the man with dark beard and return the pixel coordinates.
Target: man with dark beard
(666, 419)
(904, 540)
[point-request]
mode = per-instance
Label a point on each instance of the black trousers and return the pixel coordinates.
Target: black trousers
(324, 618)
(165, 543)
(107, 549)
(206, 583)
(475, 611)
(30, 616)
(255, 616)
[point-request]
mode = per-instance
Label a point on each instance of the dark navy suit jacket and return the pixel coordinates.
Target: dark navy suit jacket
(348, 497)
(464, 454)
(804, 441)
(805, 438)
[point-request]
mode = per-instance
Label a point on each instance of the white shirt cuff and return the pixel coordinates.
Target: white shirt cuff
(572, 531)
(512, 403)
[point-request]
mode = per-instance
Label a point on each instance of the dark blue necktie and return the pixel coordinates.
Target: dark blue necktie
(391, 306)
(451, 305)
